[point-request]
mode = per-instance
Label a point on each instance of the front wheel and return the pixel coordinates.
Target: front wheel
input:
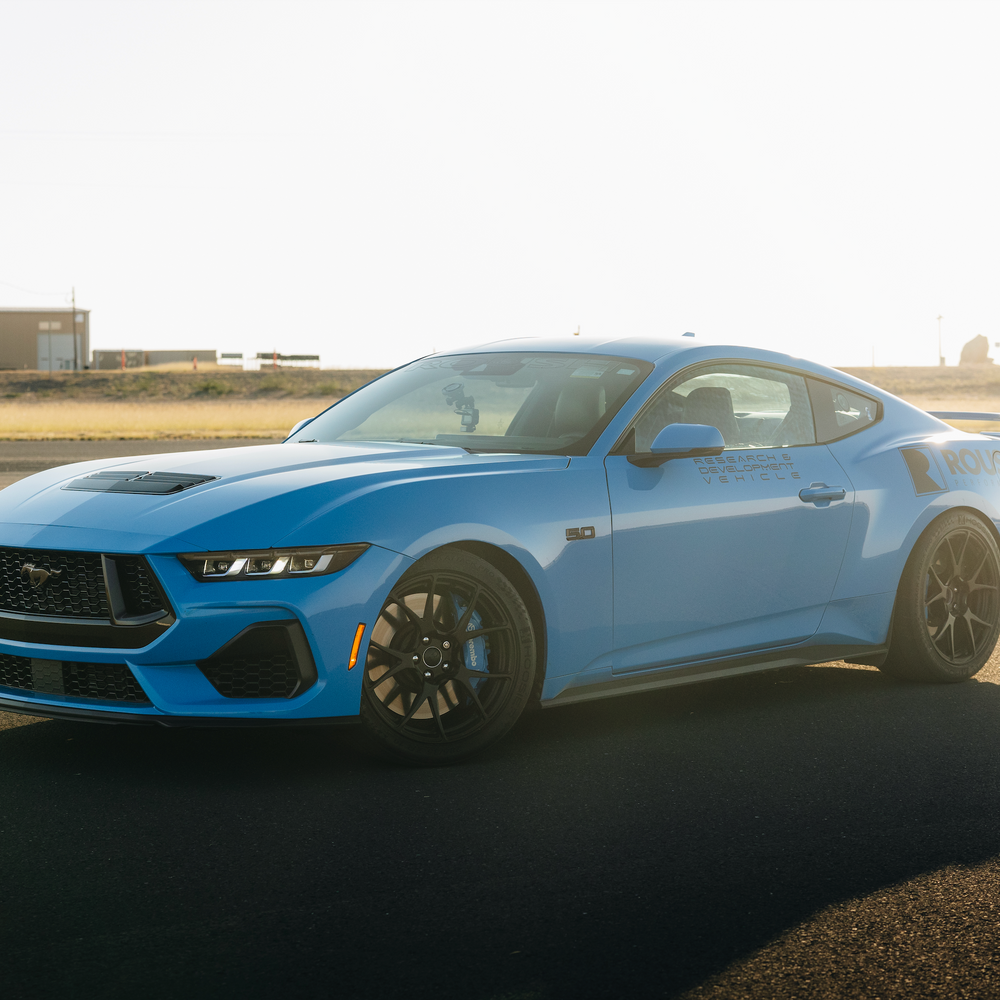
(451, 661)
(947, 615)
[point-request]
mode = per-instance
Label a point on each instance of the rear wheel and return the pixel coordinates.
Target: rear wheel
(947, 615)
(451, 661)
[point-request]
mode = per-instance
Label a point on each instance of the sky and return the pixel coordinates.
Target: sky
(371, 181)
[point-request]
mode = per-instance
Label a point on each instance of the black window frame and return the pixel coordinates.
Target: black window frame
(625, 445)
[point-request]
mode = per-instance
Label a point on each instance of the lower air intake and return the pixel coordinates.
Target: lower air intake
(96, 681)
(269, 660)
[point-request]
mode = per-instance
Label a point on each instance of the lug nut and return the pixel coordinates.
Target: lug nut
(427, 673)
(425, 639)
(416, 659)
(446, 644)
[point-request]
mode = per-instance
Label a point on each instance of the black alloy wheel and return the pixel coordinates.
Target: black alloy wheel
(451, 661)
(947, 615)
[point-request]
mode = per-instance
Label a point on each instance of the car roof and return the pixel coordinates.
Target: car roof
(640, 348)
(656, 349)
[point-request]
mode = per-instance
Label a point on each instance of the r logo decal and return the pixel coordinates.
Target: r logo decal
(924, 471)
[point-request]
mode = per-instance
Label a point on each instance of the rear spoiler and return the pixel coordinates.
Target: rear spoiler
(969, 415)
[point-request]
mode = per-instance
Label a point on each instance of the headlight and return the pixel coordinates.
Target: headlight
(271, 564)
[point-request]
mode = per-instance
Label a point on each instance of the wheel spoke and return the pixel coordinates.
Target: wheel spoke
(475, 697)
(961, 558)
(446, 694)
(408, 612)
(391, 696)
(463, 623)
(418, 700)
(396, 654)
(392, 672)
(436, 712)
(476, 633)
(486, 674)
(429, 602)
(982, 562)
(968, 627)
(951, 552)
(947, 628)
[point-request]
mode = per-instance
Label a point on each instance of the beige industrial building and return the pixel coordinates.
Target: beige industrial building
(50, 340)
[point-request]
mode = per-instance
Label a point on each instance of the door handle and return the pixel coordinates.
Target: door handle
(820, 493)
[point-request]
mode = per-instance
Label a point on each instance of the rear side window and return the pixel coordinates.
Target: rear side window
(839, 412)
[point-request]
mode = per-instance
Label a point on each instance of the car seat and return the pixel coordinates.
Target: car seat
(713, 405)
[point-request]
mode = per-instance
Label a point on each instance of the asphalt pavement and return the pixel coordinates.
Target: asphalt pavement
(813, 832)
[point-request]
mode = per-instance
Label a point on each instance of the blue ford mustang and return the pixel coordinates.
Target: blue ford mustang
(517, 523)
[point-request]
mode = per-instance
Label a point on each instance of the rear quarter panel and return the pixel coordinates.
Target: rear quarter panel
(907, 470)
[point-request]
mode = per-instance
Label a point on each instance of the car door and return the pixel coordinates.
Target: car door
(720, 556)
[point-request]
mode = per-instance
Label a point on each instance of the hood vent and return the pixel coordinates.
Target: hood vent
(115, 481)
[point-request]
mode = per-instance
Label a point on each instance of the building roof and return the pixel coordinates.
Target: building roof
(43, 309)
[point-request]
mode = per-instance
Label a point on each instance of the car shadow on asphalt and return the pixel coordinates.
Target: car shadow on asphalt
(629, 847)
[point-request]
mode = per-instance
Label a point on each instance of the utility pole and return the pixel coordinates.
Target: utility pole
(940, 353)
(76, 359)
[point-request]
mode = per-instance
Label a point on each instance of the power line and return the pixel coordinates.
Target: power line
(30, 291)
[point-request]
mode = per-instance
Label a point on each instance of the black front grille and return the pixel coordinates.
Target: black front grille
(15, 672)
(56, 584)
(97, 681)
(142, 596)
(72, 585)
(263, 661)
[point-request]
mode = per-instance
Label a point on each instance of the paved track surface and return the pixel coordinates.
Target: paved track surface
(817, 832)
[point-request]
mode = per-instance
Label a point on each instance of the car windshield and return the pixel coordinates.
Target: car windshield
(511, 402)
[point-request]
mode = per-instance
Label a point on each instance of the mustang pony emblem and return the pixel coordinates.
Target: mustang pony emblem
(38, 577)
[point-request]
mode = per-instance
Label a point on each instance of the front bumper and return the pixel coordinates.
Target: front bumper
(208, 616)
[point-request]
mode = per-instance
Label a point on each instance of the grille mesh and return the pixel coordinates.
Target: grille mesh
(98, 681)
(140, 592)
(75, 588)
(15, 672)
(105, 681)
(260, 664)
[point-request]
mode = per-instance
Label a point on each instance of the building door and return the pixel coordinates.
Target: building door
(55, 351)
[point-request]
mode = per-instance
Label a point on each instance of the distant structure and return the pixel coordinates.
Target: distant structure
(49, 340)
(272, 359)
(125, 358)
(976, 352)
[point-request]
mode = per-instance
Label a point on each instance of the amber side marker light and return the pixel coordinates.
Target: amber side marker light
(357, 645)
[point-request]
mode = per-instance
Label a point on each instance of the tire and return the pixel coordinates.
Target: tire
(947, 615)
(451, 662)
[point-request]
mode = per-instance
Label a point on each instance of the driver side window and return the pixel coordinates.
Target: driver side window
(753, 407)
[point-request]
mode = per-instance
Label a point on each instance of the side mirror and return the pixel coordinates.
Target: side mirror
(681, 441)
(299, 426)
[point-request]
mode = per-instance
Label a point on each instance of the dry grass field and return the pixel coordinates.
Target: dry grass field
(147, 404)
(182, 404)
(95, 419)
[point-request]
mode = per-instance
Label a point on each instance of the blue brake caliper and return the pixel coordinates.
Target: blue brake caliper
(474, 649)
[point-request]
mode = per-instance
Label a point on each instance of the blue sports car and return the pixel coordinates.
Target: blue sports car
(515, 524)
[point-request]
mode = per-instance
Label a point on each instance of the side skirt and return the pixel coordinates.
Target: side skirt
(676, 676)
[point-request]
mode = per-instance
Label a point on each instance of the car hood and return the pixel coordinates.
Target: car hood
(261, 495)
